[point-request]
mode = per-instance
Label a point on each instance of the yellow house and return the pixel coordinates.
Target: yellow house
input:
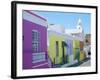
(56, 47)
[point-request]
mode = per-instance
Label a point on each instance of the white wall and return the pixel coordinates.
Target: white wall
(5, 41)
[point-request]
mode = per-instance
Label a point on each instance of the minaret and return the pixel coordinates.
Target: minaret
(79, 24)
(80, 28)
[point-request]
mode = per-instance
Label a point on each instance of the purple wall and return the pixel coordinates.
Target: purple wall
(69, 47)
(27, 42)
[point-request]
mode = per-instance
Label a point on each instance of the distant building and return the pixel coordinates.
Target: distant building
(88, 39)
(87, 44)
(78, 32)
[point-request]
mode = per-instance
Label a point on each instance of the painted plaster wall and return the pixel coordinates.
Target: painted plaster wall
(69, 50)
(82, 55)
(76, 49)
(81, 45)
(52, 48)
(27, 43)
(28, 26)
(82, 52)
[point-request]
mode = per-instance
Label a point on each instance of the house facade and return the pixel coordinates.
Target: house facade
(65, 47)
(34, 41)
(56, 44)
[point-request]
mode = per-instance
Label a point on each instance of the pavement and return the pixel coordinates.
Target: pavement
(86, 62)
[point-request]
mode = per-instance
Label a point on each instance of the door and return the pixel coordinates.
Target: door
(63, 52)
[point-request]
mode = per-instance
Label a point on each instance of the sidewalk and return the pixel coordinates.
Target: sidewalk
(85, 62)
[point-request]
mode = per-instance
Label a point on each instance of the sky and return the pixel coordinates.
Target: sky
(67, 19)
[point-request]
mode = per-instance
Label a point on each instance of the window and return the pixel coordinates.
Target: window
(38, 57)
(35, 40)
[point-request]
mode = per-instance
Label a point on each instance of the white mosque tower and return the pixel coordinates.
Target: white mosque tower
(78, 32)
(79, 25)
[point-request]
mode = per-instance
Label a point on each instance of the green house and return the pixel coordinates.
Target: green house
(76, 49)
